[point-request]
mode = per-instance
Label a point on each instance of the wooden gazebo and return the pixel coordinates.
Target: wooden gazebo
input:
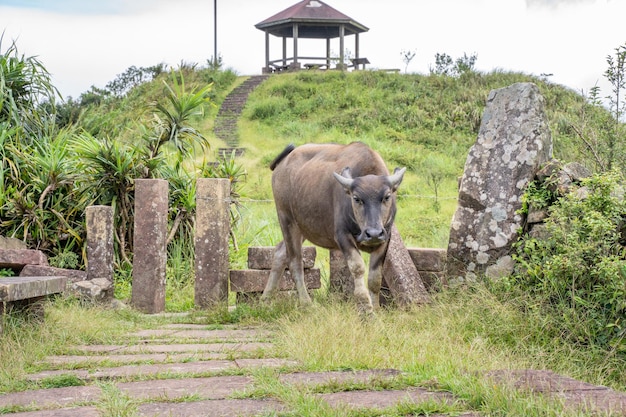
(312, 19)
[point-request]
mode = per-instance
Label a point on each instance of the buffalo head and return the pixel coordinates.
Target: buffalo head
(373, 199)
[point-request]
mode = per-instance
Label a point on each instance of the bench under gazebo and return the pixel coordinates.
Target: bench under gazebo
(311, 19)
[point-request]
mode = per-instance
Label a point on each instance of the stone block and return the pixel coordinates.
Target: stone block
(404, 281)
(253, 280)
(428, 259)
(18, 258)
(73, 275)
(341, 281)
(94, 290)
(211, 241)
(11, 243)
(149, 244)
(22, 288)
(100, 250)
(261, 257)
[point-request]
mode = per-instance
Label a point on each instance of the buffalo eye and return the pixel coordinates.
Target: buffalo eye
(386, 198)
(357, 200)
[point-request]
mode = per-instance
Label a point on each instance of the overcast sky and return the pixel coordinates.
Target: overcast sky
(88, 42)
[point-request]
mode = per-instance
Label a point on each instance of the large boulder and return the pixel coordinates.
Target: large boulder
(513, 142)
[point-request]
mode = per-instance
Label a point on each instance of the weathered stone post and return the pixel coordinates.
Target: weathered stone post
(99, 221)
(211, 241)
(513, 142)
(149, 244)
(341, 281)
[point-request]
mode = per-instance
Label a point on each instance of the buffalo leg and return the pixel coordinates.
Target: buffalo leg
(279, 263)
(356, 265)
(375, 275)
(293, 244)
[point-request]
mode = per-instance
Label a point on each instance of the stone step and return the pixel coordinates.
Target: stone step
(225, 126)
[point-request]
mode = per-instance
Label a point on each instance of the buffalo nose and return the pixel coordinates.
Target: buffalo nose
(375, 234)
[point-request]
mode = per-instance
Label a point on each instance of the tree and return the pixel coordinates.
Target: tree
(407, 57)
(605, 145)
(615, 74)
(446, 65)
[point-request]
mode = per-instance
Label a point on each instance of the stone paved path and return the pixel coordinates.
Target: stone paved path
(187, 370)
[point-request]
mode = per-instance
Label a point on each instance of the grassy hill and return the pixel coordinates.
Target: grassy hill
(426, 123)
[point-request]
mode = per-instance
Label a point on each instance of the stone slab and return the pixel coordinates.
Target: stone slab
(52, 397)
(261, 257)
(18, 258)
(74, 275)
(539, 380)
(428, 259)
(211, 408)
(400, 274)
(332, 377)
(86, 360)
(191, 368)
(384, 399)
(177, 348)
(23, 288)
(127, 371)
(575, 394)
(61, 412)
(218, 387)
(254, 280)
(203, 334)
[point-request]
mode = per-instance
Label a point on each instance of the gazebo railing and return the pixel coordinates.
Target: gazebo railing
(306, 62)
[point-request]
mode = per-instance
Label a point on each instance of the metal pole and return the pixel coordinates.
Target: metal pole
(215, 60)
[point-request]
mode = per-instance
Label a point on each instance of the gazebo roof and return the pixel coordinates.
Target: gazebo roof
(315, 19)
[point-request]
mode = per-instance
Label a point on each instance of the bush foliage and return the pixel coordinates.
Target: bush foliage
(575, 271)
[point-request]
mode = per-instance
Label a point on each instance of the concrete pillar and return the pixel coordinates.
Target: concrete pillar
(211, 241)
(100, 250)
(341, 281)
(149, 245)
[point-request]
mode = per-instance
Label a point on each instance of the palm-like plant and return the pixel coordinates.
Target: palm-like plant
(24, 84)
(110, 168)
(170, 124)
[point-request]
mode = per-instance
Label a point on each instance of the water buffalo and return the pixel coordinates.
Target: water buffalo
(336, 197)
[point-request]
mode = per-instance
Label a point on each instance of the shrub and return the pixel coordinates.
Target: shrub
(576, 271)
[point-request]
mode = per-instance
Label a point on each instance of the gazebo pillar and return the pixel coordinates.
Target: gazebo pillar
(356, 45)
(267, 52)
(295, 46)
(341, 48)
(328, 53)
(284, 51)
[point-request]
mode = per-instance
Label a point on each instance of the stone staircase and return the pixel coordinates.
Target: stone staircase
(226, 121)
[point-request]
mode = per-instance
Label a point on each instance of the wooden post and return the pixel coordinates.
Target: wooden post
(211, 241)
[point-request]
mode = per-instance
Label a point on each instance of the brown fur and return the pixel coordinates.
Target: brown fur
(312, 204)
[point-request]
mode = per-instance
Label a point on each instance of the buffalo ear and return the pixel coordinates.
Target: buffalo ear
(345, 179)
(396, 178)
